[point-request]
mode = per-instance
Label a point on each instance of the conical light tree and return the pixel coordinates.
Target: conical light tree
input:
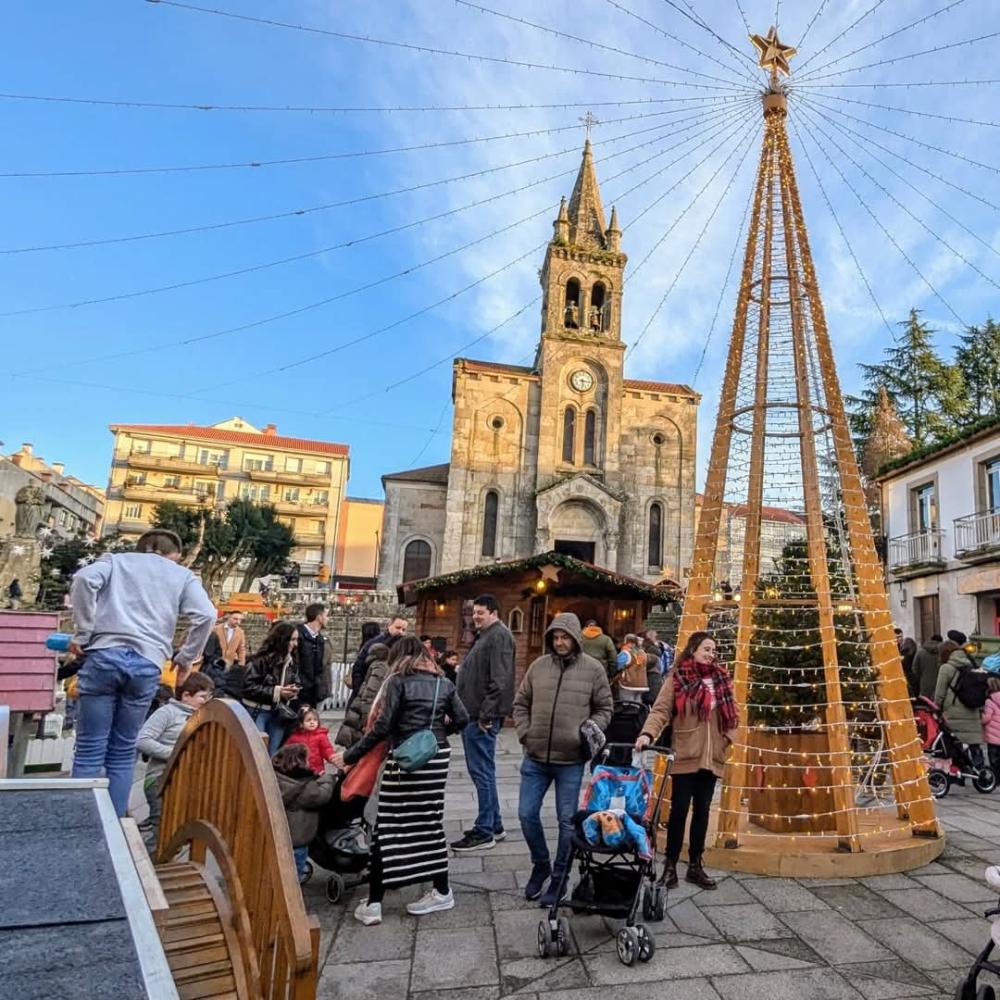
(808, 637)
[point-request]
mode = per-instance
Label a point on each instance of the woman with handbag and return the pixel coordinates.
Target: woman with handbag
(417, 708)
(271, 687)
(697, 697)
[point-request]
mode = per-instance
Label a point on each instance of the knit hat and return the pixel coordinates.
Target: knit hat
(956, 636)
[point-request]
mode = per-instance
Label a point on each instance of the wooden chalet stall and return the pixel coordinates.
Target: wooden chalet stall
(531, 592)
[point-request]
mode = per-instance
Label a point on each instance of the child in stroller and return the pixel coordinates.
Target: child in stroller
(341, 843)
(614, 843)
(970, 988)
(949, 760)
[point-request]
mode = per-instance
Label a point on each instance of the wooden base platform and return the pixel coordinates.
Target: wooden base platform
(891, 849)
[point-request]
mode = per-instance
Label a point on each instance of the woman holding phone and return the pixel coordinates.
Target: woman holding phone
(271, 688)
(697, 697)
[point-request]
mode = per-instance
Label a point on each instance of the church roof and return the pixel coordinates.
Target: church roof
(610, 582)
(586, 213)
(674, 388)
(427, 474)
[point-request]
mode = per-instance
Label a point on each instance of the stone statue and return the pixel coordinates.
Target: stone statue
(30, 501)
(572, 318)
(596, 319)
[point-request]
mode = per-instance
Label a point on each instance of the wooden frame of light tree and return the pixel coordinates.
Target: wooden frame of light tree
(776, 202)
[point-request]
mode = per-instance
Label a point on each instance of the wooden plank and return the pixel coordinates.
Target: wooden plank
(147, 876)
(207, 988)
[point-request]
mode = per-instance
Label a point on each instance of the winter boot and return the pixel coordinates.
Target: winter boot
(698, 876)
(669, 877)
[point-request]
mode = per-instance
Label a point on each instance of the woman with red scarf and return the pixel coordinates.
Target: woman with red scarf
(698, 698)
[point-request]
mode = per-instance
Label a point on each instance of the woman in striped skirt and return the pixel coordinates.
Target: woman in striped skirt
(408, 842)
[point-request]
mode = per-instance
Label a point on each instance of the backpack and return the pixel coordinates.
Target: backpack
(632, 669)
(970, 686)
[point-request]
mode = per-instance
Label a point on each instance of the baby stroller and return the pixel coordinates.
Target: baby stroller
(967, 988)
(949, 760)
(341, 844)
(617, 876)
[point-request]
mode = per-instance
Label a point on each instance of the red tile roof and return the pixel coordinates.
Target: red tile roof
(779, 514)
(674, 388)
(236, 437)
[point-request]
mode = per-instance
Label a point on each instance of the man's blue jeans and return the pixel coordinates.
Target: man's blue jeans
(480, 759)
(535, 781)
(116, 687)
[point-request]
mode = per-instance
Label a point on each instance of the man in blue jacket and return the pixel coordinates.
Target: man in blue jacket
(486, 687)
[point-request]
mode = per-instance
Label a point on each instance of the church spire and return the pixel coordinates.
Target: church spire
(586, 213)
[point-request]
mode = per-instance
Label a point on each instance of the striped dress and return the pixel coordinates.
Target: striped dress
(409, 823)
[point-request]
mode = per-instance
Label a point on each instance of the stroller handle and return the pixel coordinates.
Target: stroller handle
(665, 751)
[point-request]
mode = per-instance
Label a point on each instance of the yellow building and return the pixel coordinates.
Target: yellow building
(357, 546)
(305, 480)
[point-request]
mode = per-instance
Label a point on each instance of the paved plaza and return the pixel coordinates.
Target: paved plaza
(893, 937)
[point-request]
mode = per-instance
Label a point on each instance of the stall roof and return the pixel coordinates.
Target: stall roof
(412, 590)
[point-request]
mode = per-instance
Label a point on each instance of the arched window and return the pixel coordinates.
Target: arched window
(597, 300)
(569, 429)
(491, 503)
(416, 560)
(655, 555)
(590, 438)
(571, 317)
(515, 620)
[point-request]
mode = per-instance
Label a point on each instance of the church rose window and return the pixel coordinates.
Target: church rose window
(569, 429)
(590, 438)
(496, 422)
(491, 504)
(654, 557)
(658, 439)
(416, 560)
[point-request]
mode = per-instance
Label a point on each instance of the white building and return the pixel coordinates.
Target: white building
(941, 515)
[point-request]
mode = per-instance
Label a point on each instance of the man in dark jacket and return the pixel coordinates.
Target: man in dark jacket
(600, 646)
(393, 630)
(926, 665)
(486, 687)
(313, 658)
(562, 690)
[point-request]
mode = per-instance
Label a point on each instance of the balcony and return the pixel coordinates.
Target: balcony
(916, 554)
(158, 494)
(977, 536)
(300, 507)
(294, 478)
(171, 463)
(305, 539)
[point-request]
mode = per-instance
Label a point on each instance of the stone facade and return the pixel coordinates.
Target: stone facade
(567, 454)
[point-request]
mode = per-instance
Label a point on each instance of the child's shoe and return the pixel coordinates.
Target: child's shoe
(368, 913)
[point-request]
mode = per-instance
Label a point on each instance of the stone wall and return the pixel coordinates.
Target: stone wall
(412, 510)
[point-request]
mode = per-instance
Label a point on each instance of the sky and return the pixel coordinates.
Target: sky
(402, 260)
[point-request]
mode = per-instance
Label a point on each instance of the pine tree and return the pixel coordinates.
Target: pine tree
(978, 359)
(926, 391)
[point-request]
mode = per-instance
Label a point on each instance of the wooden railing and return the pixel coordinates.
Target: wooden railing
(220, 797)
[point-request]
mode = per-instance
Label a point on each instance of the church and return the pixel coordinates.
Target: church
(565, 455)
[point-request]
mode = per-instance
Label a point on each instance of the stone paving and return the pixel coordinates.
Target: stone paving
(893, 937)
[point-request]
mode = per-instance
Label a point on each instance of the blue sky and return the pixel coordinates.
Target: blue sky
(71, 371)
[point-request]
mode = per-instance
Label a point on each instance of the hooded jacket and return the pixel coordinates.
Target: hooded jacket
(303, 795)
(964, 722)
(558, 694)
(356, 713)
(601, 647)
(925, 668)
(160, 732)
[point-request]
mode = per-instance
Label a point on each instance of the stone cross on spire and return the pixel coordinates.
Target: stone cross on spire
(588, 121)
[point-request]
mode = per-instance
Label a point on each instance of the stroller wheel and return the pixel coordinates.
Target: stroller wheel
(659, 902)
(546, 942)
(985, 781)
(647, 903)
(647, 946)
(562, 937)
(939, 783)
(627, 944)
(335, 888)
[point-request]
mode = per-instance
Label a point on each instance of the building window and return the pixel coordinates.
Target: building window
(291, 494)
(569, 429)
(293, 465)
(595, 320)
(491, 504)
(141, 447)
(208, 456)
(321, 496)
(206, 489)
(925, 513)
(515, 621)
(322, 468)
(416, 560)
(654, 556)
(590, 438)
(133, 511)
(258, 463)
(571, 311)
(172, 482)
(991, 470)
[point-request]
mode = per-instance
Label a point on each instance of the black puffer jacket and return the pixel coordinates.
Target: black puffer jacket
(406, 709)
(263, 676)
(356, 714)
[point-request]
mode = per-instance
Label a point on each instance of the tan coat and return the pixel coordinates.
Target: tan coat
(698, 745)
(235, 650)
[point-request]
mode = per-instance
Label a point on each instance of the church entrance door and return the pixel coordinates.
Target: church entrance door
(578, 550)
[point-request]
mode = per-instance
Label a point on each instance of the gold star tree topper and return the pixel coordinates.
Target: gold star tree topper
(773, 55)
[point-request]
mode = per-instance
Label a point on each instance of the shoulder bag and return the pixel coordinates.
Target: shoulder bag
(418, 749)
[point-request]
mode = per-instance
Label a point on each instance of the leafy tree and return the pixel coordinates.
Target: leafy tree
(978, 359)
(925, 390)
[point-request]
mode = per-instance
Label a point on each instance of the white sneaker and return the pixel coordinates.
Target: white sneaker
(368, 913)
(431, 903)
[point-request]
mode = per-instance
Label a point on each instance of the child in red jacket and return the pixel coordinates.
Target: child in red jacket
(314, 737)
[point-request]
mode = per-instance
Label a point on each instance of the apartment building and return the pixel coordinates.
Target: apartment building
(941, 517)
(306, 481)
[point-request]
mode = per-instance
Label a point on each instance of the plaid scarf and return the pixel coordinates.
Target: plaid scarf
(688, 688)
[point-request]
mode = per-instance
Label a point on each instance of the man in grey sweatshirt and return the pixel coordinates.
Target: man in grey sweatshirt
(125, 611)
